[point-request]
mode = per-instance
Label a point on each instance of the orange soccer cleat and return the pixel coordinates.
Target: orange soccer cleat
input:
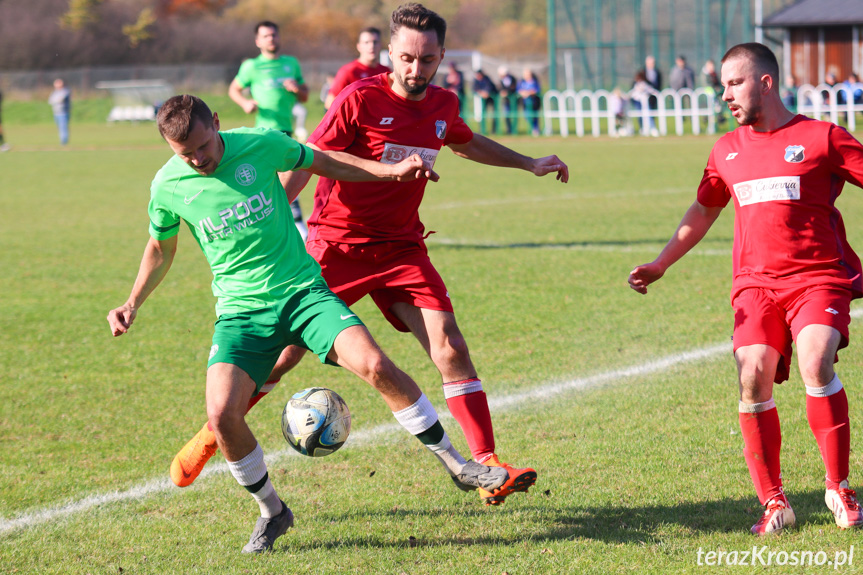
(189, 462)
(519, 480)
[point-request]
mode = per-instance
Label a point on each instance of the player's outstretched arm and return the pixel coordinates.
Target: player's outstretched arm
(349, 168)
(158, 256)
(694, 225)
(487, 151)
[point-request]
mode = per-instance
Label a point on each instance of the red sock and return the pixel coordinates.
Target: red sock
(467, 402)
(828, 420)
(762, 441)
(256, 398)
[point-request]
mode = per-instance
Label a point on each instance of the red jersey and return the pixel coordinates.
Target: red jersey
(353, 71)
(371, 121)
(787, 231)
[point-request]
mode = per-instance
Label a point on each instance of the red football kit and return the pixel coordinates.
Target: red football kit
(789, 238)
(367, 236)
(353, 71)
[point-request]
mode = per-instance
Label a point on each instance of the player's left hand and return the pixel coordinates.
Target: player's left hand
(549, 164)
(291, 85)
(414, 168)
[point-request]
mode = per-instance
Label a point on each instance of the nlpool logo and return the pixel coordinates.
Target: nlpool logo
(246, 175)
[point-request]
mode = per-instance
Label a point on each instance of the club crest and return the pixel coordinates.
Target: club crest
(794, 154)
(440, 129)
(246, 175)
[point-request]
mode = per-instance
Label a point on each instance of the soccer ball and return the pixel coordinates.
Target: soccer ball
(316, 421)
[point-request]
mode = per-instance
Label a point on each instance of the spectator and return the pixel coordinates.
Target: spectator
(853, 87)
(712, 82)
(653, 77)
(487, 91)
(61, 104)
(4, 147)
(508, 97)
(617, 105)
(640, 95)
(528, 91)
(830, 80)
(682, 76)
(454, 82)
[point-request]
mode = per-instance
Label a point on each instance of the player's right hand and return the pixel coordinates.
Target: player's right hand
(644, 275)
(250, 106)
(120, 319)
(414, 168)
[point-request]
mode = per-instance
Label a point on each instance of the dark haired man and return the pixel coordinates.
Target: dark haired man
(275, 83)
(369, 239)
(225, 186)
(794, 274)
(369, 47)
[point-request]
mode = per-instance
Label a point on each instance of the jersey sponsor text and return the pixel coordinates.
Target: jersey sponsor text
(768, 190)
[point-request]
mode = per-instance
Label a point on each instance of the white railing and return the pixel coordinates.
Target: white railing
(562, 108)
(822, 101)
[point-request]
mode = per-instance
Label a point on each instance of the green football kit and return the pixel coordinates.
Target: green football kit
(264, 78)
(269, 289)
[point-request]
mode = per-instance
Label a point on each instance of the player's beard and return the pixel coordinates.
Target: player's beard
(749, 116)
(419, 86)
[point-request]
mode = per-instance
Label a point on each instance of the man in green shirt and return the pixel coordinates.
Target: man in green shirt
(225, 186)
(275, 84)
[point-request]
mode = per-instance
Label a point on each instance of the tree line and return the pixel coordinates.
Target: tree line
(57, 34)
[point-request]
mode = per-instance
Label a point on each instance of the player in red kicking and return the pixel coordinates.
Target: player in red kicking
(369, 239)
(794, 274)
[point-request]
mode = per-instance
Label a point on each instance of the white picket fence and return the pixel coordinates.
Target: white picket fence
(822, 102)
(693, 107)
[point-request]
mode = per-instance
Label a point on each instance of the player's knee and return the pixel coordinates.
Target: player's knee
(816, 371)
(224, 418)
(451, 351)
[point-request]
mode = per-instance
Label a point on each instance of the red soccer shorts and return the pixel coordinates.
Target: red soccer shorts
(390, 272)
(774, 317)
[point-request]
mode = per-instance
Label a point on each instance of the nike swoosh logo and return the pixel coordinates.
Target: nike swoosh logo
(189, 200)
(348, 316)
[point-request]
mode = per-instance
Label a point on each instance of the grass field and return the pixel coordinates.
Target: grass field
(625, 404)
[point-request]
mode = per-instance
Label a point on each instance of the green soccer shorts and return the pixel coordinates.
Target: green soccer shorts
(253, 340)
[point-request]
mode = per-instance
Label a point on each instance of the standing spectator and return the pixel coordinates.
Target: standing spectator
(368, 64)
(487, 91)
(275, 83)
(653, 77)
(4, 147)
(712, 81)
(528, 91)
(682, 76)
(61, 104)
(639, 97)
(508, 97)
(454, 82)
(831, 81)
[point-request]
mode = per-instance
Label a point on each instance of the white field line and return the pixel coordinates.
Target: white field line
(621, 247)
(555, 198)
(362, 437)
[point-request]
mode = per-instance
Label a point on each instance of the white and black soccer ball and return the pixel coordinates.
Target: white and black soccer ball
(316, 421)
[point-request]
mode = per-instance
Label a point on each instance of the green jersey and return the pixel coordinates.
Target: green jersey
(240, 218)
(264, 78)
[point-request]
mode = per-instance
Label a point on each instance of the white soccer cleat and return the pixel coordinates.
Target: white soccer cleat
(777, 516)
(842, 501)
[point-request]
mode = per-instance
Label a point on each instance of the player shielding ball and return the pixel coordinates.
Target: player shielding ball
(794, 274)
(225, 186)
(369, 239)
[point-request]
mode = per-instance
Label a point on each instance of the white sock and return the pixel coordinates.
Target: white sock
(421, 420)
(251, 473)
